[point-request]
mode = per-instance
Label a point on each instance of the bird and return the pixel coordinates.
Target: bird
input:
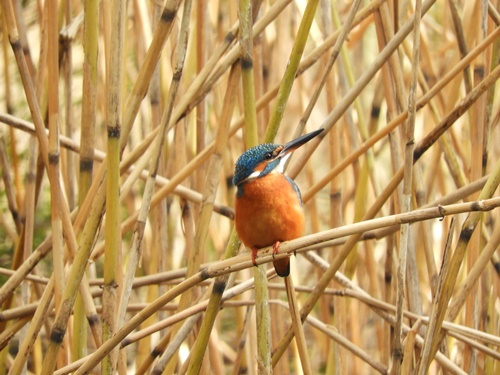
(268, 205)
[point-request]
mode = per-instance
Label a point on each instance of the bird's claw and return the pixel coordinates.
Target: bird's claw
(254, 256)
(276, 248)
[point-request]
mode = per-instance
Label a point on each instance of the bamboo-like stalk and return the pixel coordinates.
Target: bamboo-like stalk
(160, 259)
(291, 71)
(358, 293)
(68, 159)
(409, 348)
(425, 359)
(417, 215)
(333, 363)
(477, 166)
(53, 146)
(213, 306)
(405, 233)
(112, 263)
(9, 185)
(94, 202)
(53, 169)
(13, 138)
(86, 156)
(247, 73)
(297, 326)
(29, 228)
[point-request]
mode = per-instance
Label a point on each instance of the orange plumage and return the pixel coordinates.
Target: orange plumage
(269, 211)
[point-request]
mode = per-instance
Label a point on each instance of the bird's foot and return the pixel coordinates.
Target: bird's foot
(254, 256)
(276, 248)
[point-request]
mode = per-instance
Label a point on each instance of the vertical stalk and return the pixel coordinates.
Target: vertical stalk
(53, 149)
(291, 70)
(28, 230)
(89, 93)
(87, 128)
(477, 165)
(51, 14)
(201, 108)
(159, 222)
(407, 191)
(12, 133)
(112, 232)
(297, 326)
(68, 158)
(247, 74)
(9, 187)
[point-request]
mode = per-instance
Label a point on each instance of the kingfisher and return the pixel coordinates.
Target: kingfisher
(268, 205)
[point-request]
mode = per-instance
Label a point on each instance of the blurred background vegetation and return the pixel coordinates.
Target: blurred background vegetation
(120, 123)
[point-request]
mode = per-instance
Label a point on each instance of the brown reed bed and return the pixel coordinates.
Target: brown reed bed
(119, 127)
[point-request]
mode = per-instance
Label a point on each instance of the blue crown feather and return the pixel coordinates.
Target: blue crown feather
(246, 163)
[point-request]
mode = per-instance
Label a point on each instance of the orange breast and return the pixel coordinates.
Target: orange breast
(269, 210)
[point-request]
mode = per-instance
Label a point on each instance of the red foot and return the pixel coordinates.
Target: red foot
(254, 256)
(276, 247)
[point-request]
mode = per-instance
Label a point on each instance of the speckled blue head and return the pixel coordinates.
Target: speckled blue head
(248, 162)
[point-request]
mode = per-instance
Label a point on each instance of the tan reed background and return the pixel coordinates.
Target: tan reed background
(120, 123)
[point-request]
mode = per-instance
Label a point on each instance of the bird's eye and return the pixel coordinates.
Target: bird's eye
(268, 155)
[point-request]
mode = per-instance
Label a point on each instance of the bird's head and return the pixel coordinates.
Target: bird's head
(266, 158)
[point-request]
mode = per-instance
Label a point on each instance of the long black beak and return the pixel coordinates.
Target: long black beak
(296, 143)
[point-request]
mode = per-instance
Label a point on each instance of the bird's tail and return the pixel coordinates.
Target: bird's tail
(282, 266)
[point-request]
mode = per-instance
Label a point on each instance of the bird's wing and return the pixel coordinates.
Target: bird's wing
(295, 188)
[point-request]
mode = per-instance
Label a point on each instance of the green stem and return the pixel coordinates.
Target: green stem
(291, 70)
